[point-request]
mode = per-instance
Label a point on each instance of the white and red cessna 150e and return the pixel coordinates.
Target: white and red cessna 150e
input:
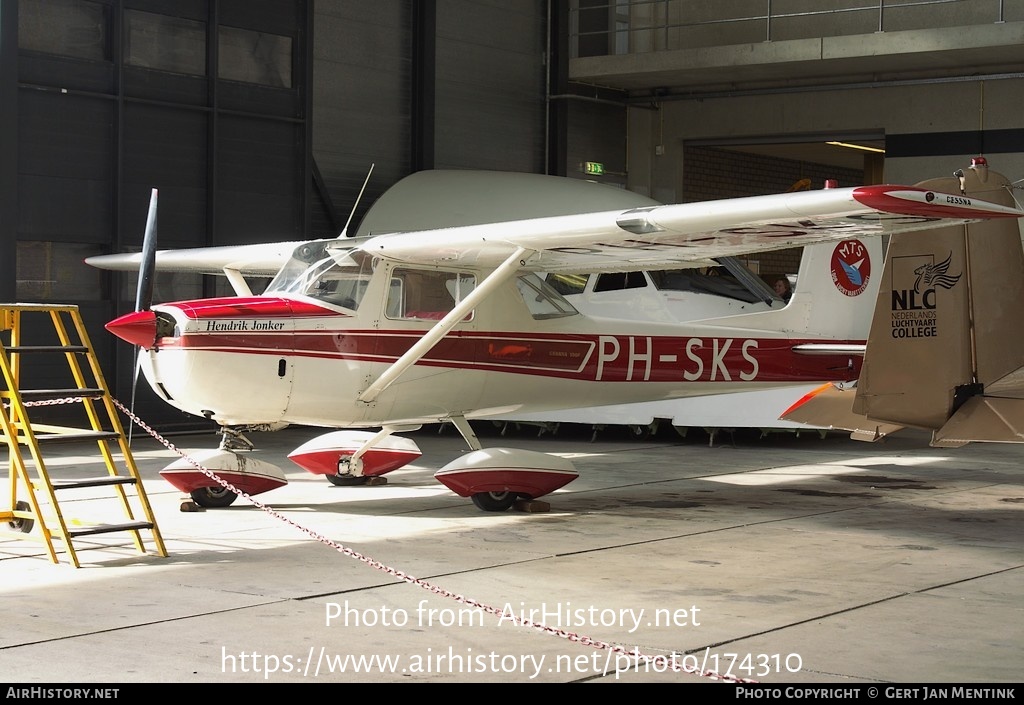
(391, 331)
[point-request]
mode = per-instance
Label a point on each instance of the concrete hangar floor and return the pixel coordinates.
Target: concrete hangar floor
(781, 559)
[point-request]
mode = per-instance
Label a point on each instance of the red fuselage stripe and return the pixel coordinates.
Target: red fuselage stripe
(610, 358)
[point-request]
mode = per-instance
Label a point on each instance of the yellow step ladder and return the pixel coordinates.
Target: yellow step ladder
(100, 422)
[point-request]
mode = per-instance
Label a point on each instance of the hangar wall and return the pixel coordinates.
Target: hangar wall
(102, 99)
(205, 101)
(417, 84)
(362, 106)
(256, 119)
(490, 85)
(923, 125)
(936, 81)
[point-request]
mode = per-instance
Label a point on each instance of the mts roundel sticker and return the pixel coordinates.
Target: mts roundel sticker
(851, 267)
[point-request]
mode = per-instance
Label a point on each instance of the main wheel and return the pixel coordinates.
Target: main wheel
(640, 433)
(213, 497)
(22, 525)
(494, 501)
(347, 480)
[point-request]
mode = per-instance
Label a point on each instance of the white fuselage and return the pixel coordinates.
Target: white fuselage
(298, 358)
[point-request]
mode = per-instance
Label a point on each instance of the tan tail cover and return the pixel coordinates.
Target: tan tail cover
(921, 347)
(830, 407)
(991, 419)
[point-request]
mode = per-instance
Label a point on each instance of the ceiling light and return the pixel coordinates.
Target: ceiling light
(857, 146)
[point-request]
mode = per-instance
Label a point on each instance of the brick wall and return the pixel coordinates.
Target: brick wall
(710, 173)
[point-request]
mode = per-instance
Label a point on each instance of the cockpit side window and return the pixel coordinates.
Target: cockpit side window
(617, 281)
(542, 299)
(567, 284)
(713, 281)
(426, 294)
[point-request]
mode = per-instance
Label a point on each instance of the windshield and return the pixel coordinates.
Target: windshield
(327, 271)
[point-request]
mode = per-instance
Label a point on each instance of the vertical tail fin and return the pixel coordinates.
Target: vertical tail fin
(944, 352)
(948, 319)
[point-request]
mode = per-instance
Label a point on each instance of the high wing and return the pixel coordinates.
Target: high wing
(236, 262)
(652, 237)
(264, 259)
(690, 234)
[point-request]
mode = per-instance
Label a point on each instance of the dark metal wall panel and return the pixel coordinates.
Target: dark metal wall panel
(165, 87)
(65, 74)
(271, 16)
(361, 100)
(258, 100)
(167, 150)
(257, 202)
(8, 148)
(191, 9)
(490, 85)
(65, 167)
(205, 100)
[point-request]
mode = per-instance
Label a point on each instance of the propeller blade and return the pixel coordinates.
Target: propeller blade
(135, 385)
(144, 294)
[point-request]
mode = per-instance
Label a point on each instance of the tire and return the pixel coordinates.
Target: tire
(213, 497)
(22, 525)
(640, 433)
(347, 480)
(494, 501)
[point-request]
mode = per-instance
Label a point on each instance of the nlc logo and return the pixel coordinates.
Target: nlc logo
(915, 279)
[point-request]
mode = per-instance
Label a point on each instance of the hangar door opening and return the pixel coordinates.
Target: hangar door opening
(751, 167)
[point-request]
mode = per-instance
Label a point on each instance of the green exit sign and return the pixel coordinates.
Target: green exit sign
(596, 168)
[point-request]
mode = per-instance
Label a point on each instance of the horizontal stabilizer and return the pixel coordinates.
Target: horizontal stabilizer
(986, 419)
(829, 406)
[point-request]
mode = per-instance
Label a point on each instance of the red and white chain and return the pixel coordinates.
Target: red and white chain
(659, 662)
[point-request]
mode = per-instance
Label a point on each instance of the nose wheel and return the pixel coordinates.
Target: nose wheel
(494, 501)
(213, 497)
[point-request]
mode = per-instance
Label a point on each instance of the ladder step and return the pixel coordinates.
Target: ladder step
(103, 428)
(99, 481)
(48, 348)
(73, 436)
(47, 394)
(109, 528)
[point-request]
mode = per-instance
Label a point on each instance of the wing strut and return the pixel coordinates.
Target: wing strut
(355, 461)
(505, 271)
(754, 284)
(468, 434)
(237, 281)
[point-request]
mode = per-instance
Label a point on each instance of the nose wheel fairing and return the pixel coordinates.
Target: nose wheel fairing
(249, 475)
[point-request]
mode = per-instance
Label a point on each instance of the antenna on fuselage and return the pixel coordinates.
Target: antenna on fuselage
(344, 231)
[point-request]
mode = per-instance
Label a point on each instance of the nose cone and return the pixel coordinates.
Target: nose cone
(137, 328)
